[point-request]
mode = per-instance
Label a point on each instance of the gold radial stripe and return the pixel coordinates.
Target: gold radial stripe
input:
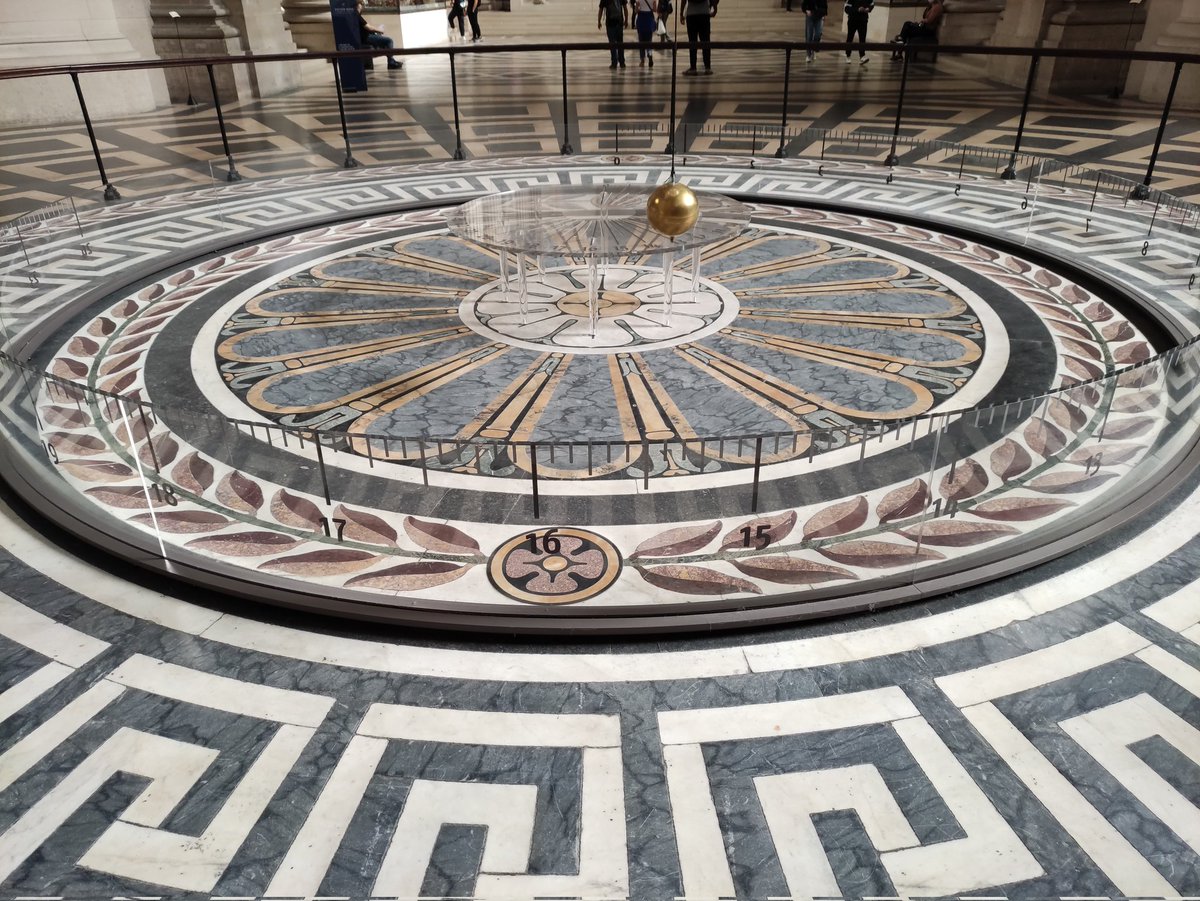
(799, 264)
(343, 352)
(955, 306)
(259, 305)
(781, 396)
(776, 265)
(389, 395)
(654, 425)
(666, 403)
(828, 318)
(501, 414)
(536, 403)
(401, 263)
(628, 419)
(419, 260)
(841, 355)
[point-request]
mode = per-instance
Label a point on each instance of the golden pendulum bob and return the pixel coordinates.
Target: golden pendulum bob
(672, 209)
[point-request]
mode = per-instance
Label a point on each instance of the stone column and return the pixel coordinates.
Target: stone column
(310, 24)
(50, 32)
(971, 23)
(1172, 26)
(1021, 24)
(261, 25)
(203, 28)
(1090, 25)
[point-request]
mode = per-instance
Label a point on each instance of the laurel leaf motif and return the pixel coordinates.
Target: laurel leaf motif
(967, 480)
(838, 519)
(678, 541)
(1010, 459)
(878, 554)
(775, 528)
(956, 533)
(411, 576)
(790, 570)
(365, 527)
(439, 537)
(1018, 509)
(905, 501)
(684, 579)
(327, 562)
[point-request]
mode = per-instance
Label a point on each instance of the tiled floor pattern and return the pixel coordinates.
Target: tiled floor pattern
(1032, 742)
(1036, 737)
(513, 106)
(236, 507)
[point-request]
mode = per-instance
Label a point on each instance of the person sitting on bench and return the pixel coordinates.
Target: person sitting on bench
(370, 36)
(923, 32)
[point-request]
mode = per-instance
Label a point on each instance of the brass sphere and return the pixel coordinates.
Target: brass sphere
(672, 209)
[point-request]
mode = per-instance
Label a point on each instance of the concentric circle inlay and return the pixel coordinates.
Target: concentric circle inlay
(633, 313)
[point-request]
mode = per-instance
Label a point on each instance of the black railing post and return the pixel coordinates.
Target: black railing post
(212, 80)
(674, 81)
(757, 471)
(537, 508)
(1142, 191)
(891, 157)
(349, 162)
(1011, 172)
(110, 193)
(787, 77)
(458, 147)
(566, 145)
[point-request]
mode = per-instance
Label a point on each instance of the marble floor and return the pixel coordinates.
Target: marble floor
(1032, 736)
(1029, 737)
(512, 104)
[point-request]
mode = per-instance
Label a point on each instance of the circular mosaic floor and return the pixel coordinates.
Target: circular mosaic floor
(832, 349)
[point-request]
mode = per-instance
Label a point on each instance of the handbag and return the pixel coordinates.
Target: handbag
(662, 27)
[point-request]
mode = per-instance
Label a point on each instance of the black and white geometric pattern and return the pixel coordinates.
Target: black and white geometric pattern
(1028, 738)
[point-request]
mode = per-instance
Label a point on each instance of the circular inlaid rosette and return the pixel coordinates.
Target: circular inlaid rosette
(554, 566)
(632, 310)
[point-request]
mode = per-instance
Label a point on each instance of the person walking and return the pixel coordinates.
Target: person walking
(645, 20)
(615, 17)
(815, 12)
(473, 18)
(857, 12)
(664, 15)
(699, 15)
(457, 11)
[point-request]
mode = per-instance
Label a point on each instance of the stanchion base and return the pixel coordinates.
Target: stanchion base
(1140, 192)
(567, 149)
(459, 153)
(233, 175)
(780, 154)
(1008, 174)
(111, 193)
(891, 160)
(350, 162)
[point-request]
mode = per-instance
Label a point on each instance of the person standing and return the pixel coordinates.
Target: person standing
(473, 18)
(615, 17)
(370, 36)
(645, 20)
(699, 15)
(815, 12)
(857, 12)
